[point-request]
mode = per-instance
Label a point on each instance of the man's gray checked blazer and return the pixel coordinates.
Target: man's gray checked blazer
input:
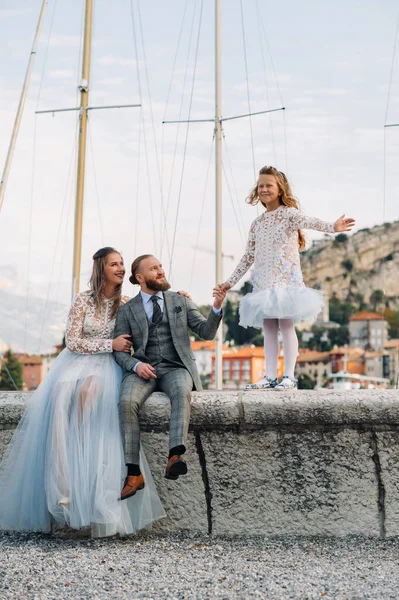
(183, 316)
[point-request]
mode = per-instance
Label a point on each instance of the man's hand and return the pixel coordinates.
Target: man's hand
(145, 371)
(222, 286)
(122, 343)
(219, 293)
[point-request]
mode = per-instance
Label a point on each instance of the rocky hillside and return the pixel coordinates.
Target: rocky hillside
(352, 267)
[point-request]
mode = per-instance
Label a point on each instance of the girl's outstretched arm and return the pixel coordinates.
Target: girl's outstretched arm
(245, 262)
(298, 220)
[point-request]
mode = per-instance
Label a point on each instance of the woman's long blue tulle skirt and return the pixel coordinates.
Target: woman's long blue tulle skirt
(65, 463)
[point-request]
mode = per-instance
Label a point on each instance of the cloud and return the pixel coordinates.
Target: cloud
(14, 12)
(62, 74)
(112, 61)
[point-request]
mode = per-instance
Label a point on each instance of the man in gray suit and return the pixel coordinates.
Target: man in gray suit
(159, 322)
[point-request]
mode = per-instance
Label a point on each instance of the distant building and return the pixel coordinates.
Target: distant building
(391, 360)
(244, 365)
(203, 352)
(316, 365)
(368, 330)
(32, 370)
(323, 320)
(36, 367)
(349, 360)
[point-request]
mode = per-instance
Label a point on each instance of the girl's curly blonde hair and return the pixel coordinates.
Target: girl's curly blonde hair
(286, 196)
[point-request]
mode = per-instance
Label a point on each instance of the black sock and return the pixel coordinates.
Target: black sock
(133, 469)
(177, 451)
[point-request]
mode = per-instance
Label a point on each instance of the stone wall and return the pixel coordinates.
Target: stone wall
(304, 463)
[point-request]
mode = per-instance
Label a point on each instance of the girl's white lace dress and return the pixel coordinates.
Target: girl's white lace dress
(278, 288)
(65, 463)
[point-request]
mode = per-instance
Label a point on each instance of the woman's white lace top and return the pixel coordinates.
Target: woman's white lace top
(273, 248)
(88, 332)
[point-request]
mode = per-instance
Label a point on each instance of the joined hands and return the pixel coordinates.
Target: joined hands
(219, 293)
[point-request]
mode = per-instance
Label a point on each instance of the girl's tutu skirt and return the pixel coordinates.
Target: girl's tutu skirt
(297, 303)
(65, 463)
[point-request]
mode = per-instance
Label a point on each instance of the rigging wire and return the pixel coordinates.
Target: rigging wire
(247, 81)
(32, 192)
(71, 181)
(172, 171)
(136, 220)
(57, 238)
(240, 220)
(265, 39)
(385, 139)
(162, 212)
(139, 85)
(95, 182)
(285, 141)
(201, 212)
(232, 201)
(262, 53)
(73, 154)
(186, 138)
(392, 70)
(171, 82)
(30, 231)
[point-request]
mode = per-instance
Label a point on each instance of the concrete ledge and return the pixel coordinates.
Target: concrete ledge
(304, 463)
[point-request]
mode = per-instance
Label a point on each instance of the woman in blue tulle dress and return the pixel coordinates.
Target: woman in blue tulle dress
(65, 463)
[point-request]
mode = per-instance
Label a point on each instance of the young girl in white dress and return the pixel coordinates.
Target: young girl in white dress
(65, 463)
(279, 298)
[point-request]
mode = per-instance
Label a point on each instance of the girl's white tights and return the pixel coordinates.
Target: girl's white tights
(290, 345)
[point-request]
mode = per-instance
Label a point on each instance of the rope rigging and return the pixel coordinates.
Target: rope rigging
(142, 124)
(247, 82)
(197, 239)
(186, 137)
(386, 125)
(185, 79)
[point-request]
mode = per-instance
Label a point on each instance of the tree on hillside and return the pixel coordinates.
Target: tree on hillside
(239, 335)
(339, 337)
(393, 322)
(14, 368)
(341, 238)
(376, 298)
(340, 310)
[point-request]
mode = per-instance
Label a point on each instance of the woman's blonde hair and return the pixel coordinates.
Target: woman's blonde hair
(286, 196)
(97, 280)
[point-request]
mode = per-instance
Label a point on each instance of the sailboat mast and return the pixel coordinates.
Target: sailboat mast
(218, 181)
(84, 102)
(20, 110)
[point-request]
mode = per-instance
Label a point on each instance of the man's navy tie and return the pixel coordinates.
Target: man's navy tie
(157, 312)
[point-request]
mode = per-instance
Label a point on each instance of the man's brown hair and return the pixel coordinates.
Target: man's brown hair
(135, 267)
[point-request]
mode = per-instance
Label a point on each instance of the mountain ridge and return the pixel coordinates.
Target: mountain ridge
(353, 267)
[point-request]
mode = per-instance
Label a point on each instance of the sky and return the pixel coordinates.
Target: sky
(150, 187)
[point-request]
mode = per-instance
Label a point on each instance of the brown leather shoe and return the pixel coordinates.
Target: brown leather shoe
(132, 484)
(176, 466)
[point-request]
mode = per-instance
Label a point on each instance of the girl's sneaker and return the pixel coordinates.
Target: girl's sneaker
(286, 384)
(266, 383)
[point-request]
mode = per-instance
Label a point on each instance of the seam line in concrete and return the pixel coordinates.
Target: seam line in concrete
(241, 412)
(380, 483)
(205, 479)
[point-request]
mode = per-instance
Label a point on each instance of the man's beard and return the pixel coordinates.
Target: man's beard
(157, 286)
